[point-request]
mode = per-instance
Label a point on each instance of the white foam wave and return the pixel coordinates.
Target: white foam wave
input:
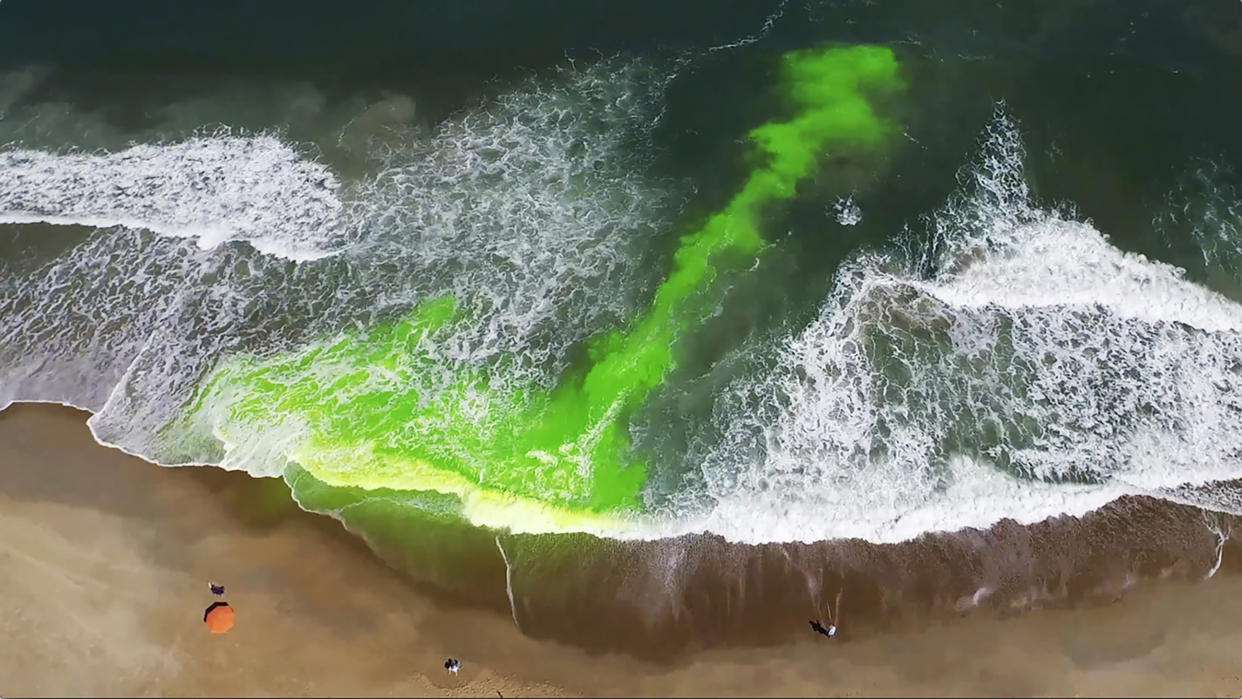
(210, 188)
(532, 206)
(976, 495)
(1038, 371)
(1071, 264)
(535, 202)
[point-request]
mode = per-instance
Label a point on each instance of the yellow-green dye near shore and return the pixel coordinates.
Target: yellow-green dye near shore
(381, 408)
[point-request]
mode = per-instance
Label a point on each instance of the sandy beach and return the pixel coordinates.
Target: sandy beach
(105, 559)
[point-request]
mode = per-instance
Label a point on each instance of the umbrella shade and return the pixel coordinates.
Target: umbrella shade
(219, 617)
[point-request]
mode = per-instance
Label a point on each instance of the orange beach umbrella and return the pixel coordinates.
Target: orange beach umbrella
(219, 617)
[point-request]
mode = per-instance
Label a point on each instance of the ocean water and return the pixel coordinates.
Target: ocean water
(770, 272)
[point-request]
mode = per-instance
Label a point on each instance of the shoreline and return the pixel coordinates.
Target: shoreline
(105, 560)
(619, 536)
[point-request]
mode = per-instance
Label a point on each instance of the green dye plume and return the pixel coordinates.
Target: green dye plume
(381, 408)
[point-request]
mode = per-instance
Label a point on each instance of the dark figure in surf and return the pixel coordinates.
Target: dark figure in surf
(452, 665)
(216, 590)
(819, 628)
(831, 630)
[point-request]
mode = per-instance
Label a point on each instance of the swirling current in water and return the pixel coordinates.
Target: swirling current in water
(384, 408)
(573, 292)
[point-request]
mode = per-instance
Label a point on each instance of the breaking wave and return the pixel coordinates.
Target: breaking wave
(1012, 363)
(212, 188)
(1015, 365)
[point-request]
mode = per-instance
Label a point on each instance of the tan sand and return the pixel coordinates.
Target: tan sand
(104, 563)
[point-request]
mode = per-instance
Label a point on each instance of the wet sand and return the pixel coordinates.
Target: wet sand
(104, 563)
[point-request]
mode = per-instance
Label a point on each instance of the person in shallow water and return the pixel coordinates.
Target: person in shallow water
(833, 616)
(452, 665)
(819, 628)
(217, 590)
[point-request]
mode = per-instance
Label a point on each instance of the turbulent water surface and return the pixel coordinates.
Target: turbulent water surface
(778, 272)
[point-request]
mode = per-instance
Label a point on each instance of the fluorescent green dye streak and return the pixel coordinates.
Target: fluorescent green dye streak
(366, 412)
